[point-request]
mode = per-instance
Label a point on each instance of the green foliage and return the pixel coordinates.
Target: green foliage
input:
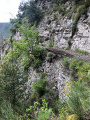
(30, 11)
(28, 47)
(80, 10)
(59, 7)
(78, 101)
(75, 101)
(79, 69)
(62, 109)
(39, 86)
(66, 62)
(26, 62)
(37, 62)
(37, 112)
(81, 51)
(44, 113)
(74, 65)
(12, 80)
(39, 52)
(69, 41)
(6, 112)
(30, 35)
(51, 43)
(49, 54)
(16, 54)
(76, 19)
(15, 25)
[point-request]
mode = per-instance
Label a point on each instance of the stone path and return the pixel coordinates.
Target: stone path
(69, 53)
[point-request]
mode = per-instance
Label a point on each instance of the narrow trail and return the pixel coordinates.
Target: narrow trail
(69, 53)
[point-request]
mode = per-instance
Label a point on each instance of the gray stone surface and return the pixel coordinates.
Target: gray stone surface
(81, 39)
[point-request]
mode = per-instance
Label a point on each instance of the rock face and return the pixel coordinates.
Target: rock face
(58, 29)
(5, 47)
(57, 32)
(81, 39)
(57, 76)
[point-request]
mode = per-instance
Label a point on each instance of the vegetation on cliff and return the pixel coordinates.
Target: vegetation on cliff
(17, 102)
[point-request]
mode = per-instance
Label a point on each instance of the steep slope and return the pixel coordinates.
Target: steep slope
(65, 29)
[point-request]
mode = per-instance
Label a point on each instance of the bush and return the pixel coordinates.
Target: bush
(66, 62)
(13, 29)
(26, 62)
(39, 86)
(74, 26)
(37, 62)
(39, 52)
(81, 51)
(74, 67)
(44, 112)
(51, 43)
(79, 11)
(75, 101)
(49, 54)
(37, 112)
(79, 69)
(6, 112)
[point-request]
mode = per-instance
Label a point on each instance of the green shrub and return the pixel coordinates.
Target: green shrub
(68, 13)
(39, 86)
(51, 41)
(51, 44)
(49, 54)
(74, 26)
(69, 40)
(39, 52)
(62, 109)
(26, 62)
(76, 17)
(74, 67)
(38, 112)
(81, 51)
(44, 112)
(79, 11)
(37, 62)
(79, 69)
(66, 62)
(6, 112)
(13, 29)
(75, 100)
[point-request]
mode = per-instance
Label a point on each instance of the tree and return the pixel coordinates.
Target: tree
(29, 45)
(30, 11)
(13, 84)
(13, 81)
